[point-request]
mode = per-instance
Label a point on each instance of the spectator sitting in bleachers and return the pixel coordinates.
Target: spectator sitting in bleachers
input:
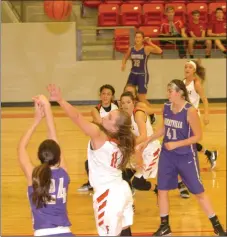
(173, 27)
(218, 28)
(197, 28)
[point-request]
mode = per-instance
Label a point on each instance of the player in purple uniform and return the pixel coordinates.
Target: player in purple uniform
(48, 182)
(181, 131)
(139, 54)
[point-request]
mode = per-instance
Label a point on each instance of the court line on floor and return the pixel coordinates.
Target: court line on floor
(135, 234)
(86, 114)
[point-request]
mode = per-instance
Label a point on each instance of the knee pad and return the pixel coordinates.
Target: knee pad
(126, 232)
(199, 147)
(141, 184)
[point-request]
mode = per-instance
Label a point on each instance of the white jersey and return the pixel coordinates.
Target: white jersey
(135, 128)
(103, 165)
(103, 112)
(193, 95)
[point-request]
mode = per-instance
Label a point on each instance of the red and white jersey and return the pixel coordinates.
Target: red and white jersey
(103, 112)
(103, 165)
(135, 128)
(193, 95)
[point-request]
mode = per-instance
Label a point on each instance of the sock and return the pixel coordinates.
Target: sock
(156, 189)
(126, 232)
(214, 221)
(207, 153)
(164, 219)
(191, 56)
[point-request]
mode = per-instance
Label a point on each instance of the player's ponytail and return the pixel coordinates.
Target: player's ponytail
(49, 154)
(41, 181)
(200, 70)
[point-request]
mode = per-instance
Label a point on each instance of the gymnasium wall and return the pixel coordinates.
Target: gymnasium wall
(35, 54)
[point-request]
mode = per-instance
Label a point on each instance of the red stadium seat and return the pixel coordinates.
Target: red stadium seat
(212, 8)
(199, 1)
(180, 10)
(152, 14)
(119, 2)
(136, 1)
(201, 7)
(121, 40)
(108, 15)
(131, 14)
(151, 31)
(92, 3)
(157, 1)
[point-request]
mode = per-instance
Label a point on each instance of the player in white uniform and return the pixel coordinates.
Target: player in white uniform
(106, 105)
(142, 128)
(109, 150)
(194, 76)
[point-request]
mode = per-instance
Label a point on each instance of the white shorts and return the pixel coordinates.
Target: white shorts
(150, 160)
(113, 209)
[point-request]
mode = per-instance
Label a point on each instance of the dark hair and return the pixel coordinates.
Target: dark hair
(107, 86)
(169, 8)
(219, 9)
(125, 138)
(200, 70)
(180, 87)
(128, 94)
(49, 154)
(135, 90)
(195, 12)
(140, 32)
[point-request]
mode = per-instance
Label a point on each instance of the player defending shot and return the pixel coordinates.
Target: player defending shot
(139, 54)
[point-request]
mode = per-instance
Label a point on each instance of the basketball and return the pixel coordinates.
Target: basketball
(58, 10)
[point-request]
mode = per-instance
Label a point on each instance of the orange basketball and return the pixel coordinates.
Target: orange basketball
(57, 10)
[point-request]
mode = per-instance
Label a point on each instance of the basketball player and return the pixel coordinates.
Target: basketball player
(139, 54)
(48, 182)
(181, 130)
(142, 128)
(106, 105)
(132, 88)
(109, 150)
(194, 77)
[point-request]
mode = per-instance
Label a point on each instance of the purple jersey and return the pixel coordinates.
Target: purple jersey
(55, 212)
(177, 128)
(139, 61)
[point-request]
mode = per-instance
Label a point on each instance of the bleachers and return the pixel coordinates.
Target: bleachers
(147, 15)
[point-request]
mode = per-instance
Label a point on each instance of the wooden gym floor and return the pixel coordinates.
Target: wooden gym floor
(186, 217)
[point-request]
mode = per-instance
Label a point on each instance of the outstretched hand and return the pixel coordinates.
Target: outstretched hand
(39, 112)
(55, 92)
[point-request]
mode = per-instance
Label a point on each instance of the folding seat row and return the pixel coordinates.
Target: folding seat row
(96, 3)
(151, 14)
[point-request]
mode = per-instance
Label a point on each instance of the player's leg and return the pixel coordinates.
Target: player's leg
(220, 45)
(208, 49)
(167, 180)
(86, 186)
(132, 79)
(142, 83)
(188, 167)
(191, 43)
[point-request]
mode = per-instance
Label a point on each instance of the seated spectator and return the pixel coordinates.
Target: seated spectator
(197, 29)
(173, 27)
(218, 28)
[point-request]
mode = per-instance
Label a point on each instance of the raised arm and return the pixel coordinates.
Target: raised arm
(152, 48)
(51, 125)
(96, 116)
(74, 114)
(23, 157)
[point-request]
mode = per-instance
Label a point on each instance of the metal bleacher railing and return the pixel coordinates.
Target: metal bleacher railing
(97, 43)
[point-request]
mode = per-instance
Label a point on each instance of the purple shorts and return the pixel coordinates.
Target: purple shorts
(172, 164)
(64, 234)
(139, 80)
